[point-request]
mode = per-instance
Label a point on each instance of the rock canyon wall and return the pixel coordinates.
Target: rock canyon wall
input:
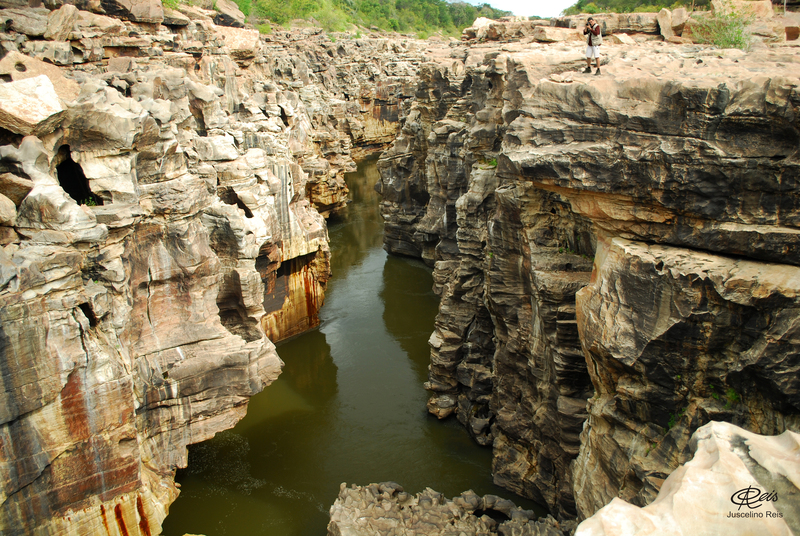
(164, 185)
(627, 240)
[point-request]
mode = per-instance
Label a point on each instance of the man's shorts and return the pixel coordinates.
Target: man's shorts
(592, 52)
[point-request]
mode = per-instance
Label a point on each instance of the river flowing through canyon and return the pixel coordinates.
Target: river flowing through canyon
(348, 407)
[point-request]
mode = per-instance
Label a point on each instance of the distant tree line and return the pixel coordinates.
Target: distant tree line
(406, 16)
(631, 6)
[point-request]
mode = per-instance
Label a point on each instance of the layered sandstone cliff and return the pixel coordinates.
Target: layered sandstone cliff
(161, 225)
(626, 239)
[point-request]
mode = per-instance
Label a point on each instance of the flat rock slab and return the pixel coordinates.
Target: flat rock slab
(30, 106)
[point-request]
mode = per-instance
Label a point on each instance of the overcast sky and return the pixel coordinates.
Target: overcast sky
(543, 8)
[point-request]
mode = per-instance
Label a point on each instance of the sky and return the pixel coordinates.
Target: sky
(543, 8)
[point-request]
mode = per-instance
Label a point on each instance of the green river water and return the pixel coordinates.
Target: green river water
(348, 407)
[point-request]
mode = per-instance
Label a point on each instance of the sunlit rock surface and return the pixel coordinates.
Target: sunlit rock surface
(736, 483)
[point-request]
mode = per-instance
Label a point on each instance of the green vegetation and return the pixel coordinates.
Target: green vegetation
(733, 398)
(89, 202)
(422, 17)
(725, 30)
(631, 6)
(172, 4)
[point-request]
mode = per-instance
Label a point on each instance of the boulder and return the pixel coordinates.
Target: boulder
(241, 43)
(665, 23)
(679, 17)
(738, 483)
(8, 211)
(60, 23)
(30, 106)
(228, 14)
(20, 67)
(15, 187)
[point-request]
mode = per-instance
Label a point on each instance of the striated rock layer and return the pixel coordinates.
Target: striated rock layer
(643, 222)
(161, 225)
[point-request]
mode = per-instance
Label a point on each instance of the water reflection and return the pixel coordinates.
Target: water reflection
(348, 407)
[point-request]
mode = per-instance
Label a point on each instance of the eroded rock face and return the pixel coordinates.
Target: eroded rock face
(388, 510)
(526, 181)
(159, 232)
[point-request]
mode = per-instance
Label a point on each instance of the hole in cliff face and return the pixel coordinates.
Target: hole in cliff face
(20, 67)
(232, 310)
(497, 515)
(230, 197)
(73, 180)
(284, 117)
(88, 312)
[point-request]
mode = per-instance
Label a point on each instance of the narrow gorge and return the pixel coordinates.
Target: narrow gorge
(615, 261)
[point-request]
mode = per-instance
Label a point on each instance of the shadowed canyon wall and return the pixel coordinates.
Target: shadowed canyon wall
(627, 240)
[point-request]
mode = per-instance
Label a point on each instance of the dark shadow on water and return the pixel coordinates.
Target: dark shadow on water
(410, 308)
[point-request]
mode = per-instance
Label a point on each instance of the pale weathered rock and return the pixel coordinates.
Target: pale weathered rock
(60, 23)
(736, 483)
(29, 106)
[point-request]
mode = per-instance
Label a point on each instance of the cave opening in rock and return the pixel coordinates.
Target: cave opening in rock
(497, 515)
(284, 117)
(88, 312)
(73, 180)
(230, 197)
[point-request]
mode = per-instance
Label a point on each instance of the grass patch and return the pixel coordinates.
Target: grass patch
(728, 29)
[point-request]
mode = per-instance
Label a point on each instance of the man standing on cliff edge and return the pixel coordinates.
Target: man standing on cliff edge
(595, 39)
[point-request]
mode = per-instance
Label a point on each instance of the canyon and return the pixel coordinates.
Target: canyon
(616, 255)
